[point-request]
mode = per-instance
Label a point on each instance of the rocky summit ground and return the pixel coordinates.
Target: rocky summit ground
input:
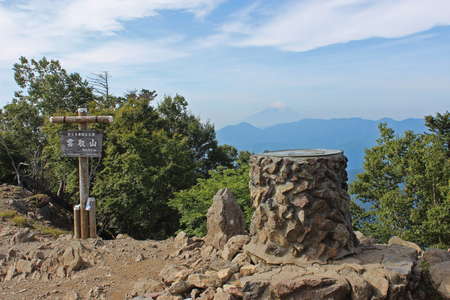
(35, 264)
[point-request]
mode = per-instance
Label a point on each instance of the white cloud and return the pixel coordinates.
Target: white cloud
(107, 15)
(123, 53)
(310, 24)
(65, 28)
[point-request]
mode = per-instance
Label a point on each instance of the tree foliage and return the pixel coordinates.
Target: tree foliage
(193, 203)
(48, 87)
(44, 88)
(406, 181)
(143, 165)
(150, 151)
(161, 162)
(201, 137)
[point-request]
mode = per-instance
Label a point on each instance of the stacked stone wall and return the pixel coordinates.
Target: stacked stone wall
(301, 209)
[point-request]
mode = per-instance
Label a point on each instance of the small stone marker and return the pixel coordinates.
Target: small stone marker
(224, 219)
(83, 144)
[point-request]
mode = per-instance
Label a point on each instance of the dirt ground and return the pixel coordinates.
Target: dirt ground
(121, 264)
(110, 271)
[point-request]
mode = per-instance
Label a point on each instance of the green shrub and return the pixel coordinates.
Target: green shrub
(192, 204)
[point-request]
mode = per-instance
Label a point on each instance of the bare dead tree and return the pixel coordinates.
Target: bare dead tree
(100, 84)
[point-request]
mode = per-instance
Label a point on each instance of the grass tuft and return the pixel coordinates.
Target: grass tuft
(7, 214)
(21, 221)
(49, 230)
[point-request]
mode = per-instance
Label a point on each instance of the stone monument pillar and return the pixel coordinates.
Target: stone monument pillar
(301, 207)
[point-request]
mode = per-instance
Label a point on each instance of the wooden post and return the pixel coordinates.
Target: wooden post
(83, 168)
(84, 221)
(76, 222)
(92, 221)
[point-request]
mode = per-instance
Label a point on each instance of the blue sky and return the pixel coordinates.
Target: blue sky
(230, 58)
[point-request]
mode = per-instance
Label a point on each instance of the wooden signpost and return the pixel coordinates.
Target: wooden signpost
(83, 144)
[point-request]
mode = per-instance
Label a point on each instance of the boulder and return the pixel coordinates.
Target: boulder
(208, 294)
(179, 287)
(145, 286)
(71, 258)
(241, 259)
(172, 272)
(24, 266)
(23, 236)
(400, 259)
(224, 219)
(224, 274)
(440, 277)
(364, 240)
(378, 281)
(247, 270)
(11, 272)
(233, 246)
(233, 290)
(313, 287)
(181, 240)
(361, 289)
(122, 236)
(395, 240)
(256, 289)
(222, 295)
(170, 297)
(203, 281)
(433, 256)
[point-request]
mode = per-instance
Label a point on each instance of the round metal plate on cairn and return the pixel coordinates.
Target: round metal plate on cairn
(301, 207)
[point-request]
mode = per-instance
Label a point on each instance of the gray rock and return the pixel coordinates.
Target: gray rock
(364, 240)
(224, 219)
(433, 256)
(144, 286)
(395, 240)
(203, 281)
(233, 246)
(172, 272)
(440, 276)
(23, 236)
(181, 240)
(179, 287)
(313, 287)
(24, 266)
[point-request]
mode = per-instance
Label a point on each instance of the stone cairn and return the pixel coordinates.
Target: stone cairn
(301, 207)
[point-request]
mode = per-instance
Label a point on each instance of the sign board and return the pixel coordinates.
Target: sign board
(81, 143)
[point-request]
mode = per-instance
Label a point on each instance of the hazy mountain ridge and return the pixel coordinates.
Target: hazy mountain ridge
(352, 135)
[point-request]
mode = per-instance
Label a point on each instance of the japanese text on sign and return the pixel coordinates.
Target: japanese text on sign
(81, 143)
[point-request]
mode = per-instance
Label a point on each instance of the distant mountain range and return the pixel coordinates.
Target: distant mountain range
(352, 135)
